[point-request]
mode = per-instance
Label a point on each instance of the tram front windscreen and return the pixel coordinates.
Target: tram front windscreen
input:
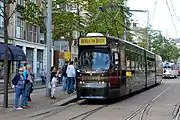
(92, 60)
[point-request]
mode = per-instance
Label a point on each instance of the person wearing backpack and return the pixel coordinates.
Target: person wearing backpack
(19, 83)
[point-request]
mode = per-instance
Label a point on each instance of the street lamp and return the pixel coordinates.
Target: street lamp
(145, 11)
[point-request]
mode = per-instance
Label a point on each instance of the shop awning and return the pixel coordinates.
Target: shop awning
(14, 53)
(17, 53)
(2, 51)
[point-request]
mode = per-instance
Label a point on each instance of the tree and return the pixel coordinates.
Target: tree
(107, 17)
(158, 44)
(167, 50)
(6, 16)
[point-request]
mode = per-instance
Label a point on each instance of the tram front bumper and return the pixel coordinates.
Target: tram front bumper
(93, 91)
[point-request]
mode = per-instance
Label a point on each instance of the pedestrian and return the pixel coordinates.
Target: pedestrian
(28, 80)
(53, 81)
(43, 77)
(71, 74)
(18, 82)
(64, 77)
(59, 72)
(32, 78)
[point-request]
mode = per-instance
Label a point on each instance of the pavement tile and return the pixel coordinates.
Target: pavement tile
(39, 104)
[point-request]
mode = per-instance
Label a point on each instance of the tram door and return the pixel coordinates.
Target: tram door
(117, 80)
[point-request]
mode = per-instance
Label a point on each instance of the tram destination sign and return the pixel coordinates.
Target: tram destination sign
(92, 41)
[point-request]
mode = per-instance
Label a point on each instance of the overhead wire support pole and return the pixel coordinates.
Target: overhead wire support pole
(125, 22)
(49, 46)
(148, 46)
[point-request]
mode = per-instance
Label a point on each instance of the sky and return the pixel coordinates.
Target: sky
(161, 19)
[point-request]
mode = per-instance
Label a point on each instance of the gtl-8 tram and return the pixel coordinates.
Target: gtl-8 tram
(110, 67)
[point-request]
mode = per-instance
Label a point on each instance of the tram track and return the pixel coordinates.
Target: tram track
(88, 113)
(177, 112)
(143, 111)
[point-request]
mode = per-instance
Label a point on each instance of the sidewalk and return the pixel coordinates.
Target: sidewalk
(39, 103)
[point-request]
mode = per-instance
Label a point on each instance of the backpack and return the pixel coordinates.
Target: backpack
(16, 79)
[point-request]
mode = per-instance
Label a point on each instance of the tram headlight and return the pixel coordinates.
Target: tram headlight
(81, 82)
(101, 82)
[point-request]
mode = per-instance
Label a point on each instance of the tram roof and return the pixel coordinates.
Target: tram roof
(120, 39)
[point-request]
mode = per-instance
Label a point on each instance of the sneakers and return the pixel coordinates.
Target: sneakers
(19, 108)
(53, 98)
(26, 106)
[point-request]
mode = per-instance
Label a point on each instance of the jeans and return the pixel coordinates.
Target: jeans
(70, 84)
(19, 93)
(26, 94)
(60, 80)
(64, 79)
(43, 80)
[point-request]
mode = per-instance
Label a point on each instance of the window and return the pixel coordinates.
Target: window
(19, 28)
(35, 34)
(29, 56)
(39, 62)
(21, 2)
(34, 1)
(30, 33)
(94, 60)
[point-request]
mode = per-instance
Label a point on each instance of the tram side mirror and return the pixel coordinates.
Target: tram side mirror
(116, 62)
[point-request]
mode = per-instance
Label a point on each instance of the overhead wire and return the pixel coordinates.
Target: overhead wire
(154, 10)
(171, 17)
(173, 9)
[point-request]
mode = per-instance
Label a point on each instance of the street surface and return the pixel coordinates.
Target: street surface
(158, 103)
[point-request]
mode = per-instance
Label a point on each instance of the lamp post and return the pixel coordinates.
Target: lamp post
(147, 30)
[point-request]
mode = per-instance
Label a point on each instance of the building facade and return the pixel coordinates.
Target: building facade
(26, 36)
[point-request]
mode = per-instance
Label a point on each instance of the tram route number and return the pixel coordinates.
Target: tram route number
(92, 41)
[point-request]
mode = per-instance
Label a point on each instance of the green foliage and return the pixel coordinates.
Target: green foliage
(32, 13)
(110, 21)
(159, 44)
(65, 22)
(109, 18)
(167, 50)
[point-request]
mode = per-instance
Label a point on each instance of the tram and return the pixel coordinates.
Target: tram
(110, 67)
